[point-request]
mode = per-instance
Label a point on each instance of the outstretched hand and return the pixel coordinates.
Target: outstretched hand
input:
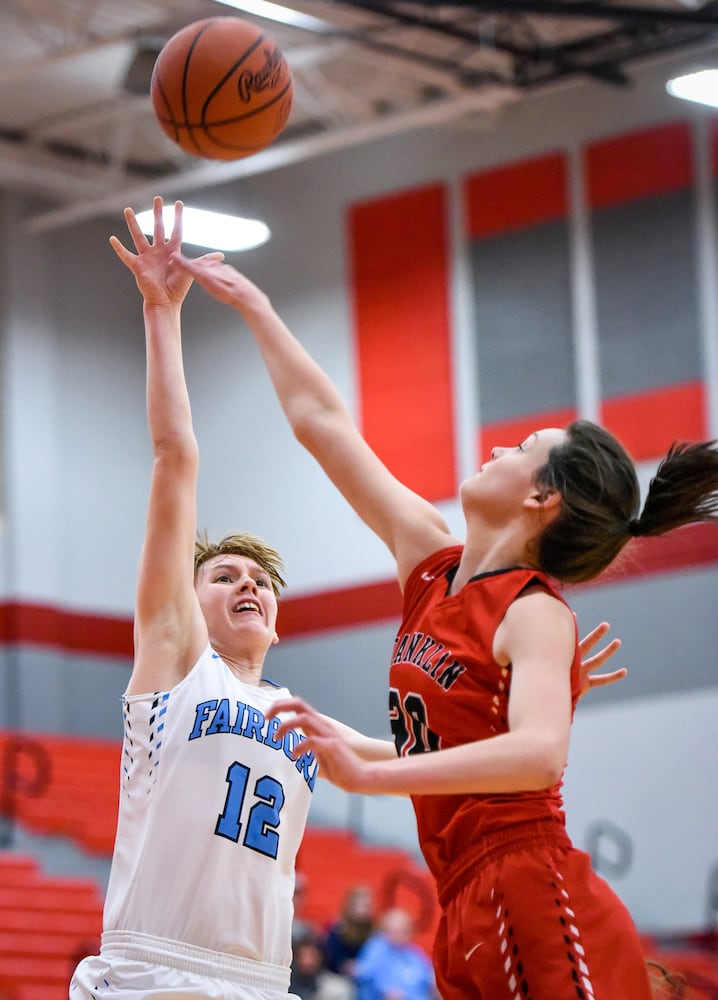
(591, 663)
(337, 762)
(159, 278)
(222, 281)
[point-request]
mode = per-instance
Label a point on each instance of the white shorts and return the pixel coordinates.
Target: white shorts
(135, 966)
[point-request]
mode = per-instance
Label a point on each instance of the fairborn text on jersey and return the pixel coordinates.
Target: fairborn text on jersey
(219, 716)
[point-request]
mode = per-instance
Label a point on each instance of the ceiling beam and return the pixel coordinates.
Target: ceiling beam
(283, 154)
(24, 167)
(706, 15)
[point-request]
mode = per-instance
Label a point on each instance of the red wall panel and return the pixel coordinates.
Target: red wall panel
(648, 423)
(399, 275)
(638, 164)
(516, 196)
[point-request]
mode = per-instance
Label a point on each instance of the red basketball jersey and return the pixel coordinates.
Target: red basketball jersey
(447, 690)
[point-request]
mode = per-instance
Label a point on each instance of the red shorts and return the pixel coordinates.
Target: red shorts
(537, 923)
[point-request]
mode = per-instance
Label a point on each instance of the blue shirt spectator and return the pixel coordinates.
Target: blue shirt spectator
(390, 966)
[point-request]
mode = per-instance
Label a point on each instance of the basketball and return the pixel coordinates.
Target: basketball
(221, 88)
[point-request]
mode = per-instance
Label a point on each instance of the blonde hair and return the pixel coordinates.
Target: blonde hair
(242, 543)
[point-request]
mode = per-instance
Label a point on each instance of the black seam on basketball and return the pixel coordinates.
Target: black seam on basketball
(248, 114)
(238, 63)
(161, 118)
(206, 130)
(185, 74)
(228, 121)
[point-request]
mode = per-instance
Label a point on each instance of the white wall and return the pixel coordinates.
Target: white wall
(648, 767)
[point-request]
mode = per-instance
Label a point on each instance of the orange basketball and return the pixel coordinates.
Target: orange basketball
(221, 88)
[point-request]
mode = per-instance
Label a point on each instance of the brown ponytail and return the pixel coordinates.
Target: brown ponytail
(600, 499)
(683, 490)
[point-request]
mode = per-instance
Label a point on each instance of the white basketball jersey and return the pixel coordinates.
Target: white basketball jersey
(212, 813)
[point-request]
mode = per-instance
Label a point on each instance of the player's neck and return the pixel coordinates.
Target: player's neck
(247, 668)
(489, 552)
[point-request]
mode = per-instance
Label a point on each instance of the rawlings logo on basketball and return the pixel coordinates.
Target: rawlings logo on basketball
(255, 81)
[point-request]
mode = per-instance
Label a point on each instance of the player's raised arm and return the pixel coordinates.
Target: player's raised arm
(408, 524)
(169, 628)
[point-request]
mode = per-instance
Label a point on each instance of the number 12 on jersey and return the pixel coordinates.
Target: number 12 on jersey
(262, 821)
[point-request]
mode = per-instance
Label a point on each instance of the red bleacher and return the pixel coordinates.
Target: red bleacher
(335, 861)
(47, 924)
(62, 786)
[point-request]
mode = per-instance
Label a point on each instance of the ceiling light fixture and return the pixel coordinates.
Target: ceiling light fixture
(211, 229)
(277, 12)
(701, 87)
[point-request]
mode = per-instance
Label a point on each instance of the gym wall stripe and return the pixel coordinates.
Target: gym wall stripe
(325, 611)
(399, 281)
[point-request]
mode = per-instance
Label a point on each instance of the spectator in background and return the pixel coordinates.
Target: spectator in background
(390, 966)
(302, 926)
(310, 979)
(346, 935)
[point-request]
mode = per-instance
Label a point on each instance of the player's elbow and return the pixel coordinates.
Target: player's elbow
(305, 415)
(304, 425)
(316, 425)
(546, 762)
(176, 451)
